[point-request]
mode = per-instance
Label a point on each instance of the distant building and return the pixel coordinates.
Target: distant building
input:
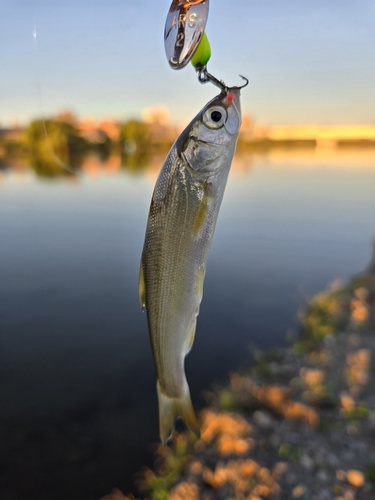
(158, 118)
(98, 131)
(323, 135)
(247, 128)
(11, 134)
(67, 116)
(111, 128)
(159, 115)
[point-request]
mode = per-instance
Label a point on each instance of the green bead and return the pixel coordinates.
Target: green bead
(203, 52)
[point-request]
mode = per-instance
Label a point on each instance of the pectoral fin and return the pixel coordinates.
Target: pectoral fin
(201, 216)
(142, 288)
(203, 208)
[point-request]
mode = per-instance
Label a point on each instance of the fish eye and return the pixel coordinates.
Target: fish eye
(215, 117)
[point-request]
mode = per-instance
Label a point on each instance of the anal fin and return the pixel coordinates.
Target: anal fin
(190, 337)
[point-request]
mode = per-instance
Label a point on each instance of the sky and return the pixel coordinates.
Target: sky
(308, 61)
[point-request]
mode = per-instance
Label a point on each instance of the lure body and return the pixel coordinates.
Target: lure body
(181, 223)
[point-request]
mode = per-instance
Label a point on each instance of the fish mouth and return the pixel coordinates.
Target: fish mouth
(201, 141)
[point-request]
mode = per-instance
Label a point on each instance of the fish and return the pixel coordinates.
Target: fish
(180, 228)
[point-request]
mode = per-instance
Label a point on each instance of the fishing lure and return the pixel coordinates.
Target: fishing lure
(184, 33)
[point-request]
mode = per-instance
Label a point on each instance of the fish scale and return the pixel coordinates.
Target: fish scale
(180, 228)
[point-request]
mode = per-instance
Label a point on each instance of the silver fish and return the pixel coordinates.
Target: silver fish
(181, 223)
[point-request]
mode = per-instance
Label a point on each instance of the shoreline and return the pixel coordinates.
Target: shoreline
(299, 424)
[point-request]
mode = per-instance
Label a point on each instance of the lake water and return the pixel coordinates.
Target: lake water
(77, 380)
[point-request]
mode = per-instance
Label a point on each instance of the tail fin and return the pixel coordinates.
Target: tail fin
(170, 409)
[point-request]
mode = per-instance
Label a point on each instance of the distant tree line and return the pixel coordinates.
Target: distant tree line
(42, 142)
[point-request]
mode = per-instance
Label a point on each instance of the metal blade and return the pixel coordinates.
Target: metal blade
(184, 28)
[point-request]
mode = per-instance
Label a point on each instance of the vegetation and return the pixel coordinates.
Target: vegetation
(135, 145)
(55, 147)
(371, 475)
(135, 137)
(318, 381)
(50, 144)
(173, 462)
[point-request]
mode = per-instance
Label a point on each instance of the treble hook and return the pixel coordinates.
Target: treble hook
(204, 77)
(245, 84)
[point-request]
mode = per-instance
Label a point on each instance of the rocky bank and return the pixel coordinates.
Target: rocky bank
(300, 424)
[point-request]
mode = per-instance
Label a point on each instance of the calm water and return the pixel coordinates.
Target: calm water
(77, 381)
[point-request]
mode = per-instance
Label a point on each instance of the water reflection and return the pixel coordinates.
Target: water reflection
(90, 163)
(136, 163)
(76, 374)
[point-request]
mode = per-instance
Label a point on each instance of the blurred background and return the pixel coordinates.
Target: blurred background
(78, 411)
